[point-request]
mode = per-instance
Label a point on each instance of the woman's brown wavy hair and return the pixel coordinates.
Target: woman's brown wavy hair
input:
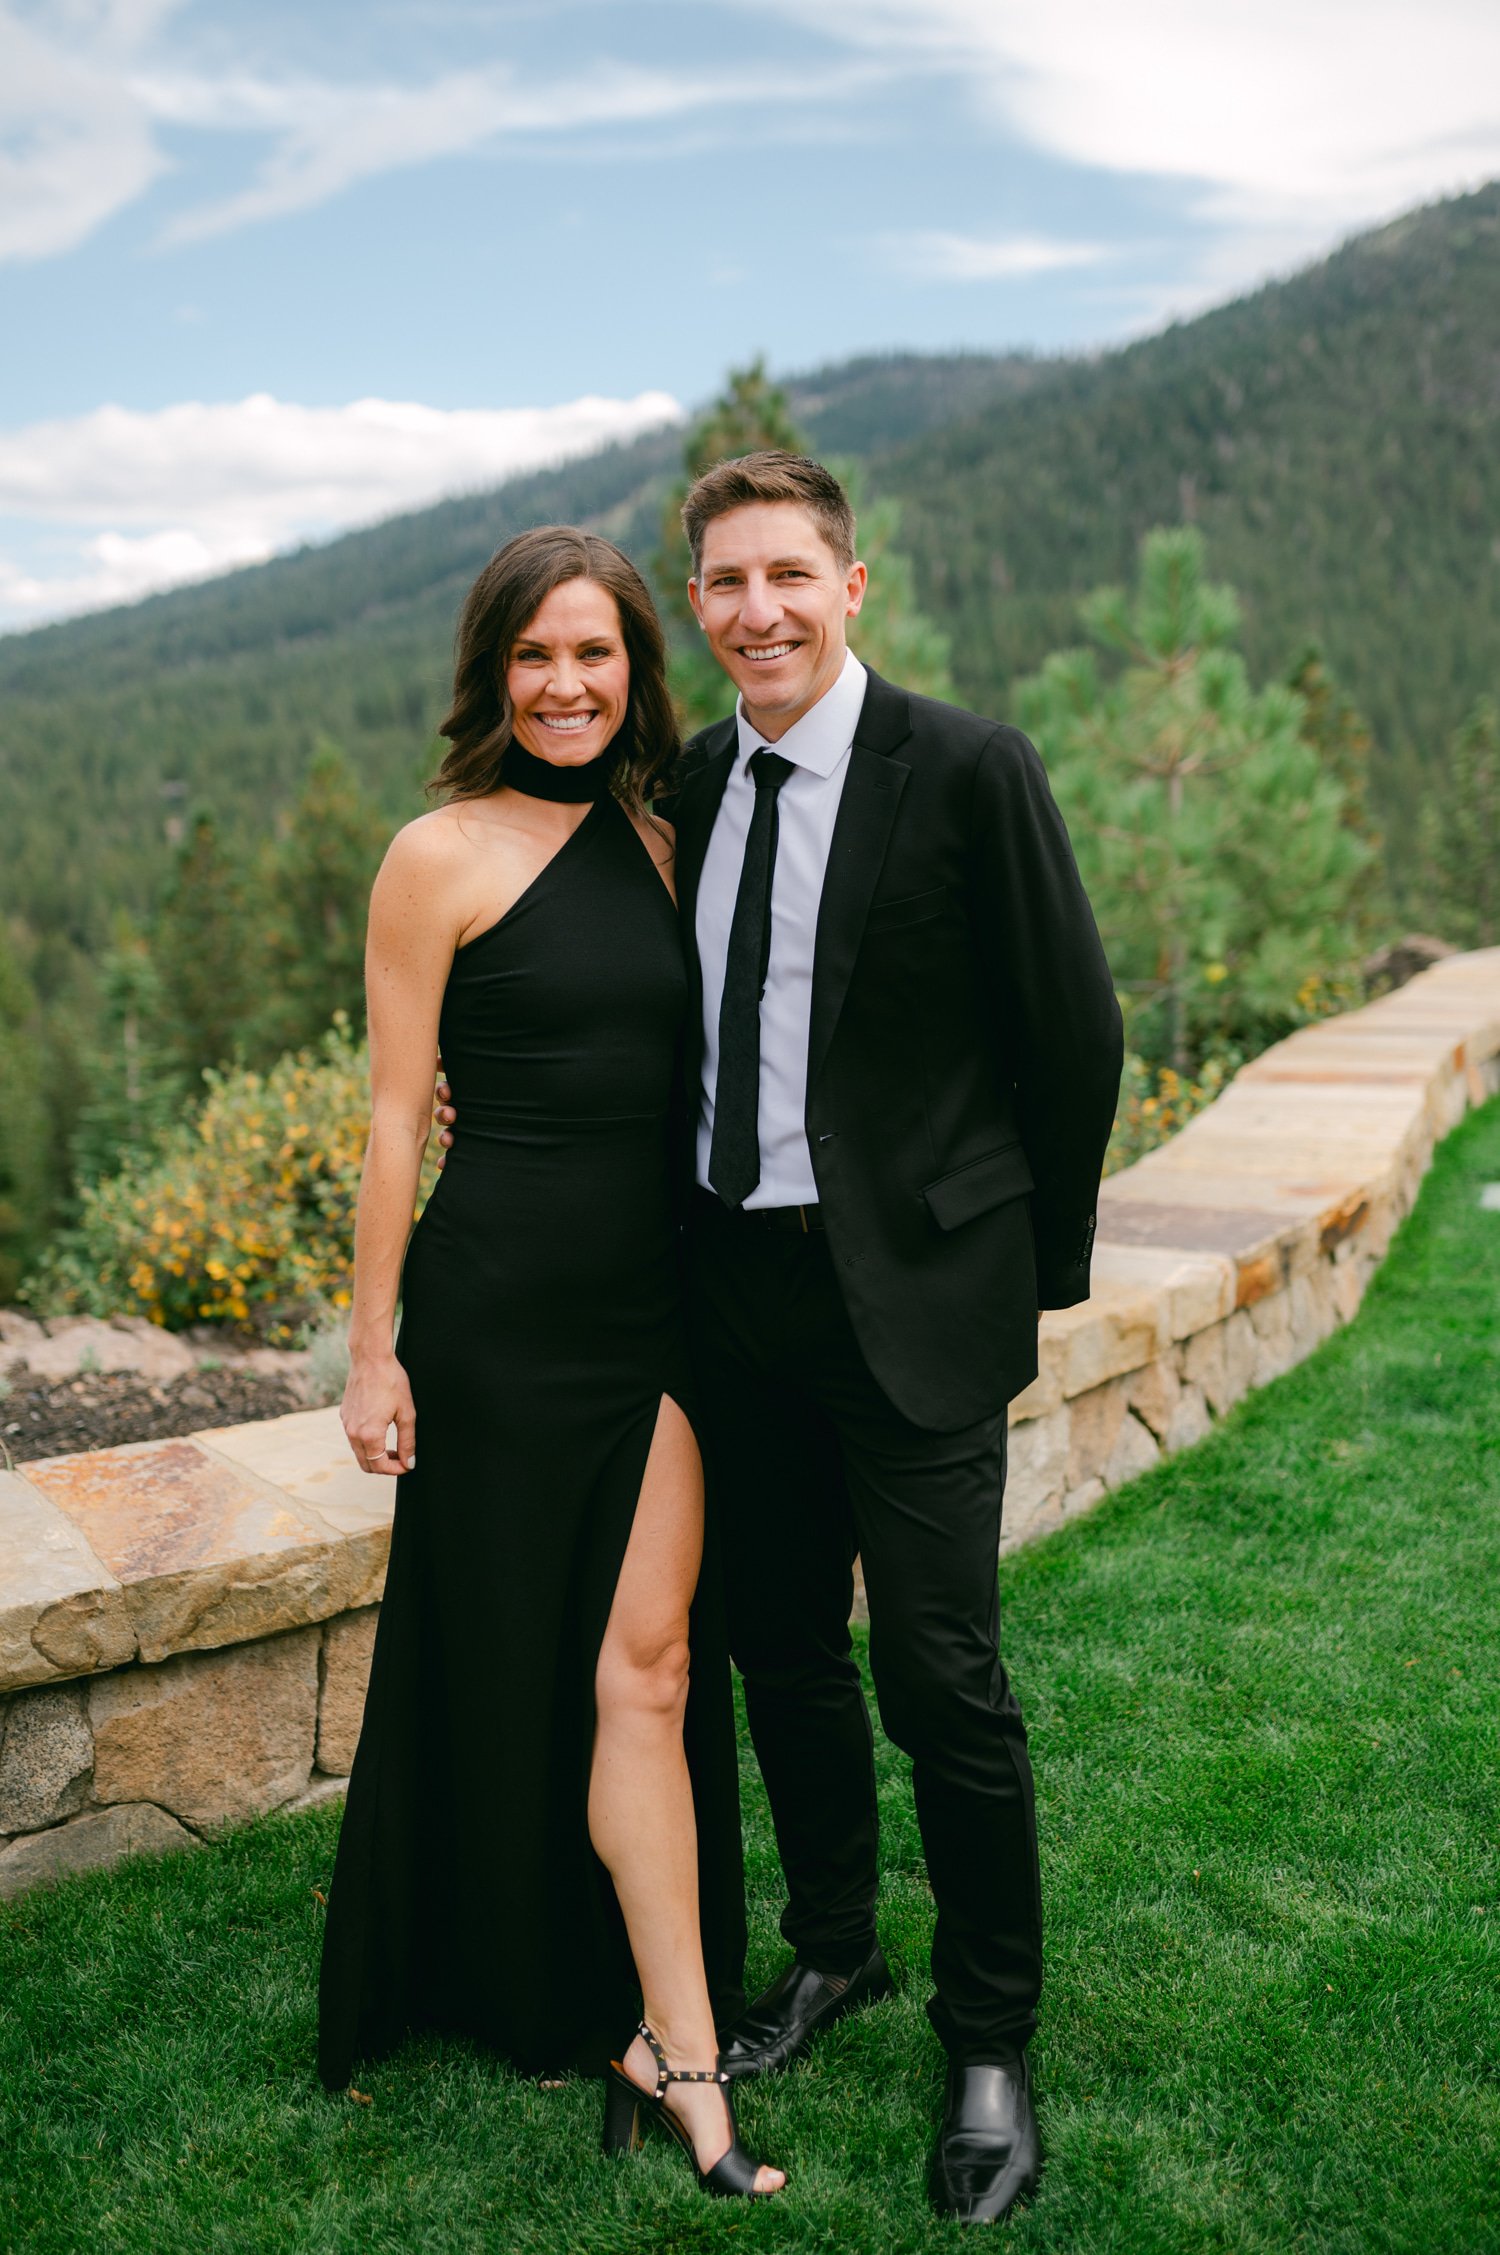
(497, 611)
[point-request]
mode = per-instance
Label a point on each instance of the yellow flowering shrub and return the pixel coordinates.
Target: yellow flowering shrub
(1155, 1102)
(243, 1215)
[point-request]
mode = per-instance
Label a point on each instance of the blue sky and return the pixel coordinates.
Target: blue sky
(266, 270)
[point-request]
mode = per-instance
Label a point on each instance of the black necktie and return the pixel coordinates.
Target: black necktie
(734, 1154)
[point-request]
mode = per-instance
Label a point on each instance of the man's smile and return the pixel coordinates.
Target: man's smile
(772, 650)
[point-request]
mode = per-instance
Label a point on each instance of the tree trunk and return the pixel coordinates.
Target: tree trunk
(132, 1040)
(1177, 954)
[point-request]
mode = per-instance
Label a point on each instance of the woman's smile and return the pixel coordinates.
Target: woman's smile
(567, 724)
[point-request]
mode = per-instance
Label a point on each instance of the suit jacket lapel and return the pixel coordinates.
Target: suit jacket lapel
(861, 831)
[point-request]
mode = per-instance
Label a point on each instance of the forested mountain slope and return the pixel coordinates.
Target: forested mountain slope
(1335, 436)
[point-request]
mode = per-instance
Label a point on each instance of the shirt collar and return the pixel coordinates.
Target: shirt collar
(821, 738)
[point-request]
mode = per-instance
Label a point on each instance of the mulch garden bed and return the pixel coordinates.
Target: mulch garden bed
(101, 1409)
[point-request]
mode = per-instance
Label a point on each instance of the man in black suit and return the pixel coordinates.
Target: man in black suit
(906, 1054)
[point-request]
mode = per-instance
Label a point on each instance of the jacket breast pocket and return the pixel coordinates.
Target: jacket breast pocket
(978, 1187)
(914, 908)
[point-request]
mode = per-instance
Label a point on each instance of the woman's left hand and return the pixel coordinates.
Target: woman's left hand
(378, 1396)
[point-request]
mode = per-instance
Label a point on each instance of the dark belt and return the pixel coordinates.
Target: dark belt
(807, 1220)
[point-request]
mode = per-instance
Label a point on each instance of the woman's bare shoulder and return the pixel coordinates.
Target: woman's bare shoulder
(430, 840)
(424, 881)
(432, 852)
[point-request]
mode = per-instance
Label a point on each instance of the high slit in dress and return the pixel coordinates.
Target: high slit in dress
(541, 1327)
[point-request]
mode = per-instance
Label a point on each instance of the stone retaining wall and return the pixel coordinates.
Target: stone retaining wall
(185, 1626)
(1228, 1254)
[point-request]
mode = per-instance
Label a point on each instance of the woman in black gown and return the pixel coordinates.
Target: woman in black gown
(540, 1795)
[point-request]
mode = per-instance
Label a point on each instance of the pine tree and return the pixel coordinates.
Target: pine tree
(1340, 735)
(316, 881)
(892, 633)
(1460, 832)
(26, 1164)
(1338, 732)
(138, 1080)
(202, 954)
(1216, 847)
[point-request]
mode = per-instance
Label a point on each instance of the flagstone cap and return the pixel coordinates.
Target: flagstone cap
(173, 1546)
(62, 1612)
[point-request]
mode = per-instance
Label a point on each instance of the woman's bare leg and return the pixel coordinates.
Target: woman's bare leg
(640, 1797)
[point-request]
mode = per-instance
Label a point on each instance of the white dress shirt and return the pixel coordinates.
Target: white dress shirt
(818, 746)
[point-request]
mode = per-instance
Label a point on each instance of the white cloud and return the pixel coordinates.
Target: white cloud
(74, 144)
(1327, 114)
(88, 88)
(1278, 116)
(327, 137)
(194, 489)
(930, 254)
(115, 567)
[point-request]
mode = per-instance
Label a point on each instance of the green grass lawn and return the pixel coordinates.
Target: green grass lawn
(1262, 1688)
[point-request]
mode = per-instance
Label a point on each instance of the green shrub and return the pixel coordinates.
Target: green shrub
(241, 1215)
(26, 1173)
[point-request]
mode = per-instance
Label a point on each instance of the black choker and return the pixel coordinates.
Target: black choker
(521, 770)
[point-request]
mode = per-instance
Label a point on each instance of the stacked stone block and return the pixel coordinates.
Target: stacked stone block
(185, 1638)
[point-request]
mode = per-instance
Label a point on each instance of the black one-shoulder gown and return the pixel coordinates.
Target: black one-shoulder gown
(541, 1326)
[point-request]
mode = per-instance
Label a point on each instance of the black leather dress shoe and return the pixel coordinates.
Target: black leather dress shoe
(799, 2005)
(988, 2153)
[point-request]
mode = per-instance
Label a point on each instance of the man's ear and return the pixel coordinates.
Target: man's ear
(692, 587)
(854, 590)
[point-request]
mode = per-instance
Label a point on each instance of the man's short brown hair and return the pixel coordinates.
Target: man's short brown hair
(771, 475)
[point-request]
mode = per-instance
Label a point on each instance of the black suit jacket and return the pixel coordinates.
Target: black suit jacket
(965, 1048)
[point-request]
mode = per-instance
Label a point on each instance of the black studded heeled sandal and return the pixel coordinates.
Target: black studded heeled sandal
(625, 2101)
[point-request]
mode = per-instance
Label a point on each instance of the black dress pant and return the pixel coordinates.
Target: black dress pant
(810, 1465)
